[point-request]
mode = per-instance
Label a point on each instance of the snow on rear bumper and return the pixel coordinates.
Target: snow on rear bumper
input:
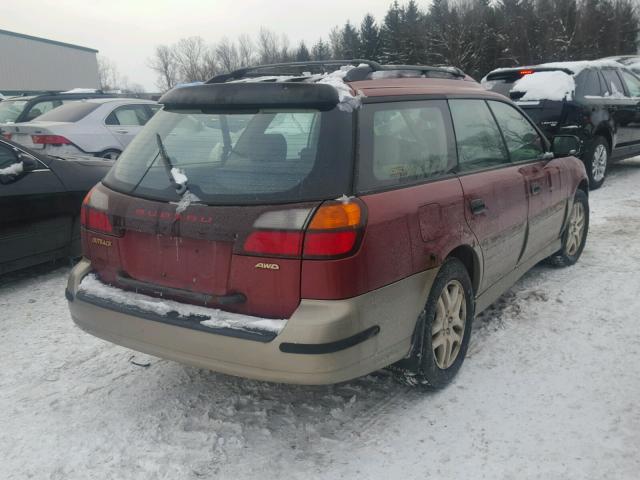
(324, 341)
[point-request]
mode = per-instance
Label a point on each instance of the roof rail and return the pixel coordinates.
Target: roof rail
(362, 71)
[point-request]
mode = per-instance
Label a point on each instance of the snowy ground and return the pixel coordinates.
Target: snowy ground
(549, 390)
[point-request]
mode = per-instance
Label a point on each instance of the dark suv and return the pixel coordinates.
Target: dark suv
(348, 221)
(597, 101)
(26, 108)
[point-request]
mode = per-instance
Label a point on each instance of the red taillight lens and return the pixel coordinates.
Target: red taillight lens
(525, 72)
(7, 136)
(94, 219)
(274, 242)
(50, 140)
(329, 244)
(98, 221)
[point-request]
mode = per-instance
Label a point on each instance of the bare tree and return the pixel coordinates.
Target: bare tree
(268, 46)
(210, 64)
(108, 77)
(227, 55)
(166, 67)
(246, 50)
(190, 56)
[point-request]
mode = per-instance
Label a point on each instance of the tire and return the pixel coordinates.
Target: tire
(430, 367)
(596, 161)
(110, 154)
(574, 237)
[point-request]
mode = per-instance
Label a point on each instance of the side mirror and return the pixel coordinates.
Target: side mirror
(565, 145)
(29, 164)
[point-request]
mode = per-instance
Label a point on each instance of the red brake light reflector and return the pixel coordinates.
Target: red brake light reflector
(274, 242)
(328, 244)
(50, 140)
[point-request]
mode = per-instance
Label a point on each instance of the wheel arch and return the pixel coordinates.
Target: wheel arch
(603, 130)
(471, 261)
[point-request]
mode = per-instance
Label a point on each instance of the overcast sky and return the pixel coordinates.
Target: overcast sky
(126, 31)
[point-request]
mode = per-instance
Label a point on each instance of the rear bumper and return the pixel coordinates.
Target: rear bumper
(324, 341)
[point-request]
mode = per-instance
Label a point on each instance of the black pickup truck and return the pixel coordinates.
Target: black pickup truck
(40, 200)
(597, 101)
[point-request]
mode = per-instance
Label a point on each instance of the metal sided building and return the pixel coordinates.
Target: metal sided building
(32, 64)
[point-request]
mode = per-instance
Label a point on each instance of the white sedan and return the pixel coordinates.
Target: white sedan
(101, 127)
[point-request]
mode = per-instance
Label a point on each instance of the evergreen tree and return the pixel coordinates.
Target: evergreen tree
(302, 53)
(412, 40)
(369, 38)
(321, 51)
(391, 36)
(349, 42)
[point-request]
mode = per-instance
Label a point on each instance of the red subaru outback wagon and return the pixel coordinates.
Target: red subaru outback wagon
(312, 223)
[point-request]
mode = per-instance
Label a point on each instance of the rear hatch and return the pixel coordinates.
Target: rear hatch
(544, 93)
(211, 208)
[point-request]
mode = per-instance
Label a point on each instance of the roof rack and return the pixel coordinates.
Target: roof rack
(363, 68)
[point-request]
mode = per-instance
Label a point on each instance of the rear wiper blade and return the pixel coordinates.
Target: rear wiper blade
(180, 188)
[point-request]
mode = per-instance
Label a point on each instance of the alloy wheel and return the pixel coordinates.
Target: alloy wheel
(599, 163)
(575, 230)
(447, 330)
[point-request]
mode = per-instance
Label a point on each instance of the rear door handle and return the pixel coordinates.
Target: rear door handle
(122, 131)
(535, 188)
(477, 206)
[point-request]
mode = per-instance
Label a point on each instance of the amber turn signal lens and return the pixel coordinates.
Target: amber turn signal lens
(336, 215)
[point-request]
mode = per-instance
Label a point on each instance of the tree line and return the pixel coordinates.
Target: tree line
(474, 35)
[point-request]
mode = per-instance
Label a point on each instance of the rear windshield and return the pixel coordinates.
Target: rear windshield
(538, 85)
(72, 112)
(241, 158)
(11, 109)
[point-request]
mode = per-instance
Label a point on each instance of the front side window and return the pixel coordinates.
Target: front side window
(522, 139)
(241, 158)
(633, 83)
(478, 138)
(404, 142)
(7, 157)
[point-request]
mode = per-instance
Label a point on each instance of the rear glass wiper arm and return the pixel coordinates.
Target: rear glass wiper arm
(168, 166)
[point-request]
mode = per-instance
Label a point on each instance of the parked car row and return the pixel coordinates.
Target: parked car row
(597, 101)
(75, 122)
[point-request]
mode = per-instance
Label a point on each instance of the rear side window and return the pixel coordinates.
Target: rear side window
(589, 84)
(72, 112)
(522, 139)
(404, 142)
(633, 83)
(613, 83)
(241, 158)
(130, 115)
(478, 138)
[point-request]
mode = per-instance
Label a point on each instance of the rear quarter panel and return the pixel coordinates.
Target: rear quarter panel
(409, 230)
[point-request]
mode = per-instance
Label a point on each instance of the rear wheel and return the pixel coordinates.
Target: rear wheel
(444, 329)
(575, 234)
(596, 161)
(111, 154)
